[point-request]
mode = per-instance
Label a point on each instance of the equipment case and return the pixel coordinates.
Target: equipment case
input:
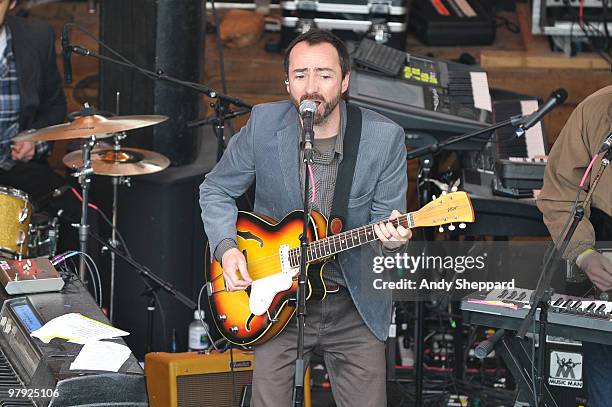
(381, 20)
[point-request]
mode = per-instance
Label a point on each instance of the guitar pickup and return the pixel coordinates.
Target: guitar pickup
(283, 254)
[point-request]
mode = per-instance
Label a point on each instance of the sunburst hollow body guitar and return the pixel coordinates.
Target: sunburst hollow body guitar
(272, 251)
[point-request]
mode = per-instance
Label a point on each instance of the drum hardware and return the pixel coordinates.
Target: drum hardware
(84, 177)
(90, 127)
(116, 181)
(43, 235)
(120, 164)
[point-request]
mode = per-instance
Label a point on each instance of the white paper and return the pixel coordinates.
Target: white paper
(76, 328)
(480, 91)
(107, 356)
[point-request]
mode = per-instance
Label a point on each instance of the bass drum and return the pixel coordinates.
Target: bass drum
(15, 214)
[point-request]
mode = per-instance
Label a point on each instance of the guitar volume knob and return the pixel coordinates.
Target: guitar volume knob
(234, 329)
(222, 317)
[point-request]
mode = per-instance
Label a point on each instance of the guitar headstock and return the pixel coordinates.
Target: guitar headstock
(454, 207)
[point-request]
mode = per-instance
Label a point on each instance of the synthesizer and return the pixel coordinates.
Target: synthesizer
(418, 92)
(570, 317)
(519, 161)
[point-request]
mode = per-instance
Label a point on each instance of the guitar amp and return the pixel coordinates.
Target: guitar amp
(194, 379)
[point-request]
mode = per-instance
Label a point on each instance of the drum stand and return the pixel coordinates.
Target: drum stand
(116, 181)
(84, 176)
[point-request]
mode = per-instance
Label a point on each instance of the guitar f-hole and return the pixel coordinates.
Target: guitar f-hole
(247, 325)
(270, 317)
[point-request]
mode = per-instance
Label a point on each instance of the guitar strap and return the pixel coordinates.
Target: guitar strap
(346, 169)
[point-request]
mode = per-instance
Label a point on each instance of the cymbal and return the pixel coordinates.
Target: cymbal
(86, 126)
(124, 162)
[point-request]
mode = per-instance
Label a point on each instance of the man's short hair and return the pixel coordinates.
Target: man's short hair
(317, 36)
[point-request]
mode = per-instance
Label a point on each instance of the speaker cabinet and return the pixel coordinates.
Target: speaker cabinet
(164, 36)
(194, 379)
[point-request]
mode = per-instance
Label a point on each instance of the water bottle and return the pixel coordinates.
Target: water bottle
(198, 333)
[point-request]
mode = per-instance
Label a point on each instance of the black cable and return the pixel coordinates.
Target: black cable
(146, 283)
(592, 33)
(111, 50)
(509, 25)
(121, 239)
(190, 85)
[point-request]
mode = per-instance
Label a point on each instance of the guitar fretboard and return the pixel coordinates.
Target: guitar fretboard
(331, 245)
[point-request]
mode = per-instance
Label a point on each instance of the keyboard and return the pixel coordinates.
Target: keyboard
(570, 317)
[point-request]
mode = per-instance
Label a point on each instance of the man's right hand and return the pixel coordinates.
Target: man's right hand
(235, 270)
(599, 270)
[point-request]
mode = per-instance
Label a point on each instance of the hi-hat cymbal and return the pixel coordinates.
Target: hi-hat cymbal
(124, 162)
(87, 126)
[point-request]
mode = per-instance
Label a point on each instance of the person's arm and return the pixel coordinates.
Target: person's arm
(567, 161)
(230, 178)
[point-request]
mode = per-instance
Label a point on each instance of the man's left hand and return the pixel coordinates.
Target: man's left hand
(392, 237)
(23, 151)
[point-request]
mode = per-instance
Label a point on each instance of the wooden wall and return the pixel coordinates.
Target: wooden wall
(517, 62)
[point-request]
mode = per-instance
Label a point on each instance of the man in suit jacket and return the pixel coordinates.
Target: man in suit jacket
(31, 97)
(350, 325)
(28, 61)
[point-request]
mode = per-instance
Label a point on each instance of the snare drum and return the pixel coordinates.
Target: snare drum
(15, 213)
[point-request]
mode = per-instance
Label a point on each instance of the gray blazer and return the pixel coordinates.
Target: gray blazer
(268, 147)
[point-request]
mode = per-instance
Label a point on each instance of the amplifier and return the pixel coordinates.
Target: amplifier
(194, 379)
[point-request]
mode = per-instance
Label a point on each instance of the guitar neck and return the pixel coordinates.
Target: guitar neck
(331, 245)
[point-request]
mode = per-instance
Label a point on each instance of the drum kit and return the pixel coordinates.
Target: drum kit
(21, 236)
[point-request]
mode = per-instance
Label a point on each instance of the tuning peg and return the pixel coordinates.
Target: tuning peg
(444, 192)
(462, 225)
(441, 229)
(433, 197)
(454, 189)
(451, 227)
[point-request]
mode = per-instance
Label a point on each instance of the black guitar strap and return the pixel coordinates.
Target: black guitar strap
(346, 169)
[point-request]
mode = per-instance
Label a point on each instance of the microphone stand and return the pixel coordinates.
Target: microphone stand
(543, 293)
(298, 381)
(435, 148)
(222, 103)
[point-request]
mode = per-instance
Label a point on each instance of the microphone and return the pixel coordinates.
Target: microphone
(485, 347)
(556, 98)
(307, 113)
(56, 193)
(606, 144)
(66, 51)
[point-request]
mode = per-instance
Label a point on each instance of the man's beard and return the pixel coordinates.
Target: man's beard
(328, 107)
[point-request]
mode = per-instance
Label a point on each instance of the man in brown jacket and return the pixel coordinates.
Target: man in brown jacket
(581, 138)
